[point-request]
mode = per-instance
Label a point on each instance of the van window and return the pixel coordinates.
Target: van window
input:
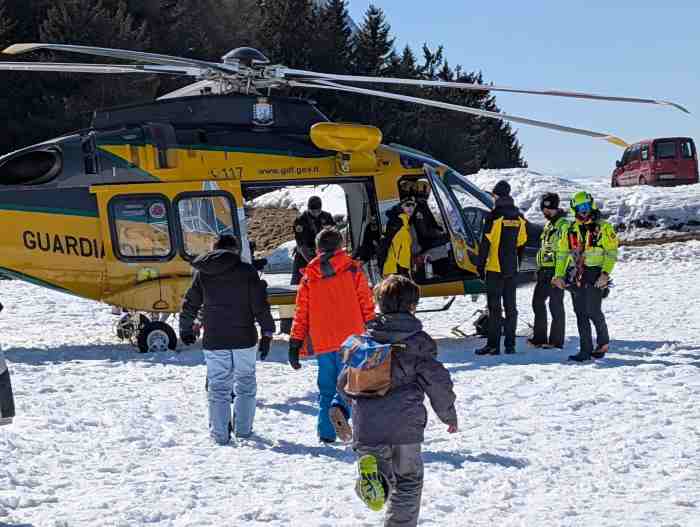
(635, 153)
(665, 149)
(626, 156)
(687, 149)
(645, 153)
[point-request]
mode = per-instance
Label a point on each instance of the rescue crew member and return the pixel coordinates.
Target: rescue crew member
(589, 253)
(505, 235)
(399, 244)
(556, 227)
(434, 242)
(7, 401)
(306, 228)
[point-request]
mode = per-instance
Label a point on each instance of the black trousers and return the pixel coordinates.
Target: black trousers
(501, 289)
(588, 303)
(544, 290)
(298, 266)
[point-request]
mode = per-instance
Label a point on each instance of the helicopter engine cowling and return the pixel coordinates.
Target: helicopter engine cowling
(31, 168)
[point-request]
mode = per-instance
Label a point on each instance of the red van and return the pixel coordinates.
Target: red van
(665, 162)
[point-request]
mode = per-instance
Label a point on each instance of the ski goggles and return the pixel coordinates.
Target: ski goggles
(583, 208)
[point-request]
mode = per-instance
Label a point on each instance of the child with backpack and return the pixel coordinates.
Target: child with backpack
(386, 391)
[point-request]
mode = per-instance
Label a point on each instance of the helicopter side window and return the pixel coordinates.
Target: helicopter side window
(202, 219)
(471, 200)
(141, 227)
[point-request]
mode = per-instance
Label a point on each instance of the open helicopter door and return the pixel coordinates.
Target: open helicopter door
(152, 231)
(465, 243)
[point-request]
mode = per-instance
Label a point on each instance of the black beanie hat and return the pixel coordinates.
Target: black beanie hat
(314, 202)
(550, 200)
(502, 189)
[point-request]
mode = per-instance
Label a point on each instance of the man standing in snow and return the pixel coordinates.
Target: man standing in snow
(234, 298)
(588, 253)
(7, 402)
(505, 235)
(556, 228)
(306, 228)
(333, 302)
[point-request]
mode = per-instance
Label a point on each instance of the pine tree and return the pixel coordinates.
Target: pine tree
(373, 44)
(91, 23)
(332, 47)
(7, 25)
(286, 31)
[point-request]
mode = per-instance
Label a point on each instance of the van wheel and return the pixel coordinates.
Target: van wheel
(642, 180)
(156, 337)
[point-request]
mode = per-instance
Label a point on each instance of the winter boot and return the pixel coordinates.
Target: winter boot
(580, 357)
(600, 351)
(510, 350)
(369, 486)
(535, 344)
(487, 350)
(340, 423)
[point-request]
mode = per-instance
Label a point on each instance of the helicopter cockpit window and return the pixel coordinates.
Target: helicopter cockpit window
(202, 219)
(472, 201)
(141, 227)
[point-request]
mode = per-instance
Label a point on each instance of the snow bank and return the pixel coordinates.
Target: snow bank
(332, 196)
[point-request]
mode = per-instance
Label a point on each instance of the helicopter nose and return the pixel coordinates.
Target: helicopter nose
(247, 56)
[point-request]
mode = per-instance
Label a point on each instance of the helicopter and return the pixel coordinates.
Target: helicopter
(115, 212)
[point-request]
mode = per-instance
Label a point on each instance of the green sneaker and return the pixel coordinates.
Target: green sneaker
(369, 486)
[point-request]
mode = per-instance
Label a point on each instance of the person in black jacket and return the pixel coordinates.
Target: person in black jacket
(7, 401)
(505, 235)
(306, 228)
(233, 298)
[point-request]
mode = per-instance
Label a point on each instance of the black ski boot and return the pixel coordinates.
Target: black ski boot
(510, 351)
(580, 357)
(487, 350)
(600, 351)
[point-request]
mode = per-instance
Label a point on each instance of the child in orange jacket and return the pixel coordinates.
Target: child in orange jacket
(333, 302)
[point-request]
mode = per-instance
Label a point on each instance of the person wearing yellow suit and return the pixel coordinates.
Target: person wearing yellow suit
(399, 244)
(500, 252)
(586, 257)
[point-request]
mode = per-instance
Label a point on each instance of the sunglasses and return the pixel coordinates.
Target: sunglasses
(583, 207)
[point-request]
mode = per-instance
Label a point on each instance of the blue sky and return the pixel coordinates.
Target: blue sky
(643, 48)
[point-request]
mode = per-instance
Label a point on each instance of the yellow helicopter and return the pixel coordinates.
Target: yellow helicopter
(114, 213)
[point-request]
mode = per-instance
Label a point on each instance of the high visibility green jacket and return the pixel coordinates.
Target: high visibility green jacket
(554, 230)
(594, 241)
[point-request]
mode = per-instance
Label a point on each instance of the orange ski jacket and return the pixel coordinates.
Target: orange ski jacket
(334, 301)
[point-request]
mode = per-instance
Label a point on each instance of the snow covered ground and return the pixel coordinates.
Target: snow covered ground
(106, 436)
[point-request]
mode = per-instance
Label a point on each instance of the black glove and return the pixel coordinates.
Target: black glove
(1, 306)
(188, 338)
(294, 348)
(482, 273)
(264, 346)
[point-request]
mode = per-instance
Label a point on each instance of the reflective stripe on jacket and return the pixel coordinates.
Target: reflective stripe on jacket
(595, 241)
(554, 230)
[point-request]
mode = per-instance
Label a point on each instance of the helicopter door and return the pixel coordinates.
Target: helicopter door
(464, 242)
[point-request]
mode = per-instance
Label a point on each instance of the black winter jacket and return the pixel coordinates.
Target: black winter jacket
(234, 298)
(399, 417)
(504, 239)
(306, 227)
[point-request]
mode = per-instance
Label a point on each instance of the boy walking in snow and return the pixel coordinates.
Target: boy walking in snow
(333, 302)
(388, 430)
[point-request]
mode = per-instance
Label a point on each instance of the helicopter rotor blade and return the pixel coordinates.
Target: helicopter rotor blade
(310, 75)
(138, 56)
(99, 68)
(327, 85)
(197, 88)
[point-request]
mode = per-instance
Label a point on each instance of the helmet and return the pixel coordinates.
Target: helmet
(406, 187)
(422, 188)
(582, 200)
(550, 200)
